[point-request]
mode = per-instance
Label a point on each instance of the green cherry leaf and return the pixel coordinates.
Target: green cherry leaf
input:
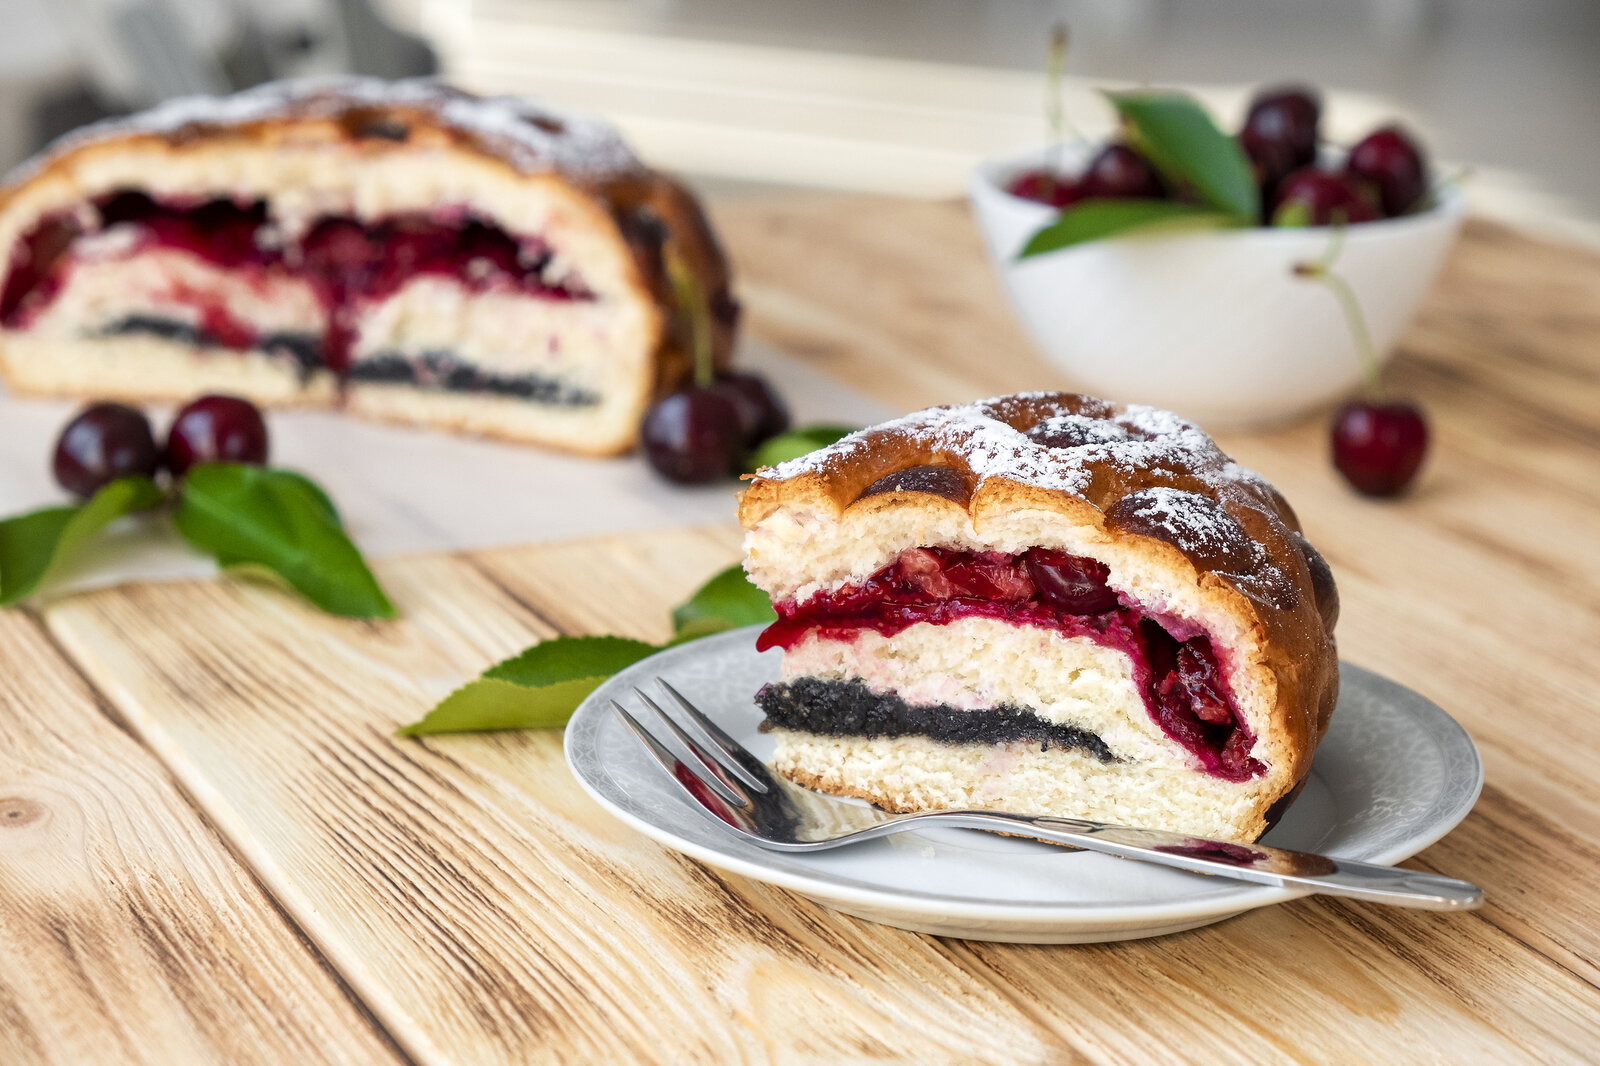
(537, 689)
(1094, 220)
(1177, 135)
(33, 545)
(541, 687)
(569, 658)
(253, 516)
(486, 704)
(727, 601)
(794, 444)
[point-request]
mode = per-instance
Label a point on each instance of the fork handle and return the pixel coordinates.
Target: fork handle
(1259, 863)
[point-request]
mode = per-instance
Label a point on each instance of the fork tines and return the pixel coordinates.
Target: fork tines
(719, 760)
(744, 765)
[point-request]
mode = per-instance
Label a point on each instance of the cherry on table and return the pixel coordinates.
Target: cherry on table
(104, 442)
(692, 436)
(1392, 161)
(1119, 172)
(762, 413)
(1041, 185)
(1322, 197)
(1285, 116)
(1378, 447)
(216, 429)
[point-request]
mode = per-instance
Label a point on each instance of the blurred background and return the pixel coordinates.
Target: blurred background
(898, 96)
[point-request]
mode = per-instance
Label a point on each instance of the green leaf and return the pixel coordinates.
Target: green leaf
(696, 628)
(541, 687)
(569, 658)
(727, 601)
(32, 545)
(1093, 220)
(538, 689)
(1185, 145)
(278, 519)
(794, 444)
(314, 492)
(486, 704)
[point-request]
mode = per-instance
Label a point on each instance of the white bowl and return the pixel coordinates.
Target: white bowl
(1212, 324)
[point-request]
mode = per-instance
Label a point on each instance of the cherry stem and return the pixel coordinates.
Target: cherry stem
(691, 303)
(1055, 109)
(1321, 270)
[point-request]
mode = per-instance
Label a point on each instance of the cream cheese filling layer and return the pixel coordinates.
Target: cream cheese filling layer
(981, 663)
(103, 288)
(503, 331)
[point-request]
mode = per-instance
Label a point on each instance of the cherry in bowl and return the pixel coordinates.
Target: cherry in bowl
(1314, 196)
(1283, 122)
(1120, 173)
(1045, 187)
(1390, 159)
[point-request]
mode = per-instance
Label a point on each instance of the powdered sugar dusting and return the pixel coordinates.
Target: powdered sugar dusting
(1136, 440)
(1195, 524)
(989, 447)
(532, 137)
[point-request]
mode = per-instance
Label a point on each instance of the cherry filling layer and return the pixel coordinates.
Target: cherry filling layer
(1183, 686)
(347, 263)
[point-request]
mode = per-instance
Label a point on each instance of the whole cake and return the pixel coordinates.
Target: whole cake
(408, 250)
(1045, 604)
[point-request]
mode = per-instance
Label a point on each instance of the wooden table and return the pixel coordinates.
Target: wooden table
(213, 850)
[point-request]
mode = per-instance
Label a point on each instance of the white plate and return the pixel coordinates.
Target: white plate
(1394, 774)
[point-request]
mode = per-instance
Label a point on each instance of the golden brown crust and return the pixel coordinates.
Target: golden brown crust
(1147, 486)
(648, 211)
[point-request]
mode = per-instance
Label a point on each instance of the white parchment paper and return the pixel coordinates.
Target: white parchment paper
(409, 490)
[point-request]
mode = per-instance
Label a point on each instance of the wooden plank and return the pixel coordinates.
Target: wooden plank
(488, 912)
(128, 933)
(482, 906)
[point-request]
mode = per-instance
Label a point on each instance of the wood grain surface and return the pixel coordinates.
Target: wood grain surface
(128, 933)
(485, 911)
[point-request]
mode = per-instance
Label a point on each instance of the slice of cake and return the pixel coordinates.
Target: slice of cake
(407, 250)
(1048, 605)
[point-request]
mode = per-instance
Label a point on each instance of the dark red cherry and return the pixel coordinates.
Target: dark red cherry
(762, 412)
(1121, 173)
(692, 436)
(1379, 446)
(1070, 582)
(216, 429)
(1045, 187)
(104, 442)
(1391, 160)
(1312, 196)
(1285, 116)
(1270, 162)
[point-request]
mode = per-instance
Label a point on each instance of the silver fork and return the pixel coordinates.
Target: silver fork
(737, 789)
